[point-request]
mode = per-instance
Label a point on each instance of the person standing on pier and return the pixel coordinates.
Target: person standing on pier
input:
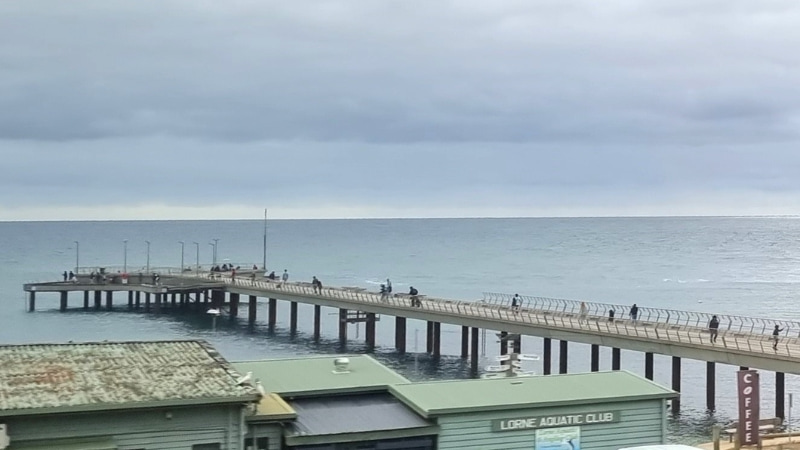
(775, 333)
(584, 313)
(388, 286)
(634, 313)
(516, 302)
(65, 275)
(713, 328)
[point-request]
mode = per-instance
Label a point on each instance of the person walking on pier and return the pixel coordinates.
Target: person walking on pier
(316, 285)
(65, 275)
(516, 302)
(285, 277)
(72, 276)
(384, 293)
(713, 328)
(583, 314)
(634, 313)
(388, 286)
(775, 333)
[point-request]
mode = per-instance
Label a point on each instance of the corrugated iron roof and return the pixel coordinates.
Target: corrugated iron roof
(44, 378)
(352, 414)
(462, 396)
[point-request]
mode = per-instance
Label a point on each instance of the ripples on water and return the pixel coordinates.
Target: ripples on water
(720, 265)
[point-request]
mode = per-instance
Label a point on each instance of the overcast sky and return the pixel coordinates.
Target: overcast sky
(172, 109)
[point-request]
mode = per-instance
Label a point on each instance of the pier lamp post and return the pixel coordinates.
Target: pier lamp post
(148, 256)
(216, 242)
(182, 244)
(77, 256)
(125, 256)
(197, 255)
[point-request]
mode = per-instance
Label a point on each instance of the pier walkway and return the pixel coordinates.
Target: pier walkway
(742, 341)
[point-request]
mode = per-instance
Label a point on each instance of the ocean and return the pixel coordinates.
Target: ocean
(730, 265)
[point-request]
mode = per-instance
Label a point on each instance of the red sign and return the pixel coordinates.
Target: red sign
(749, 399)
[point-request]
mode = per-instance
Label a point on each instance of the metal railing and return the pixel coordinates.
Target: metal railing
(740, 333)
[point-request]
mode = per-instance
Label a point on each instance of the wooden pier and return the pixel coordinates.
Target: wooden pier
(742, 341)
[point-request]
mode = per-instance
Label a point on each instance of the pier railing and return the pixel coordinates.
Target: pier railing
(740, 333)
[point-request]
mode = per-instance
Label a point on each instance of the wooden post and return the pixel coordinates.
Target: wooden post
(716, 430)
(146, 302)
(400, 335)
(98, 299)
(157, 306)
(130, 299)
(616, 357)
(648, 366)
(676, 383)
(317, 314)
(518, 344)
(437, 339)
(780, 395)
(63, 305)
(464, 341)
(138, 299)
(234, 305)
(292, 317)
(32, 301)
(109, 300)
(504, 342)
(595, 363)
(563, 357)
(370, 331)
(342, 326)
(272, 313)
(547, 351)
(711, 385)
(429, 338)
(474, 351)
(174, 300)
(85, 299)
(252, 309)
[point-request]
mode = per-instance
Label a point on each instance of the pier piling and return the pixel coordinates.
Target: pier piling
(272, 314)
(518, 344)
(676, 383)
(86, 299)
(474, 351)
(63, 305)
(293, 317)
(504, 342)
(563, 357)
(437, 339)
(648, 366)
(370, 331)
(317, 314)
(98, 299)
(233, 298)
(130, 299)
(32, 301)
(429, 338)
(400, 334)
(157, 306)
(547, 350)
(147, 302)
(616, 357)
(342, 326)
(464, 341)
(595, 363)
(780, 394)
(137, 299)
(252, 309)
(711, 385)
(109, 300)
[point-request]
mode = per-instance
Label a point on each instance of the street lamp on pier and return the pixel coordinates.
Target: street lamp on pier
(182, 244)
(77, 256)
(197, 254)
(148, 256)
(125, 256)
(214, 256)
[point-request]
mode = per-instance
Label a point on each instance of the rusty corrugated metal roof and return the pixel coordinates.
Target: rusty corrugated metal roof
(45, 378)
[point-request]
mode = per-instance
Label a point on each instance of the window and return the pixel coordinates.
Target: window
(262, 443)
(216, 446)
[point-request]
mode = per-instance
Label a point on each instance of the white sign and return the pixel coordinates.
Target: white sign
(567, 438)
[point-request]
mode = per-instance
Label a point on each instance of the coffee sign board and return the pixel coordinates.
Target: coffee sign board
(555, 420)
(749, 398)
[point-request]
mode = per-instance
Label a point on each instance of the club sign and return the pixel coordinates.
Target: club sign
(749, 399)
(560, 420)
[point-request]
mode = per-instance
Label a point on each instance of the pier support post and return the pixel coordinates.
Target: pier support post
(138, 299)
(711, 385)
(504, 342)
(616, 357)
(32, 301)
(85, 299)
(474, 351)
(157, 306)
(464, 341)
(437, 339)
(98, 299)
(595, 358)
(109, 300)
(518, 344)
(429, 338)
(563, 357)
(205, 299)
(130, 299)
(547, 351)
(370, 331)
(780, 395)
(234, 307)
(317, 314)
(342, 326)
(174, 300)
(400, 335)
(648, 366)
(146, 302)
(252, 309)
(63, 305)
(292, 317)
(272, 313)
(676, 383)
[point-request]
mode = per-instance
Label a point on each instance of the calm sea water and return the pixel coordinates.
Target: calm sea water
(745, 266)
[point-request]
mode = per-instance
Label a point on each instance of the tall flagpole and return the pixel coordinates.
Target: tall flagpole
(264, 262)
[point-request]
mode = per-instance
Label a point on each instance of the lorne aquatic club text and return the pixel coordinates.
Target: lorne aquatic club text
(528, 423)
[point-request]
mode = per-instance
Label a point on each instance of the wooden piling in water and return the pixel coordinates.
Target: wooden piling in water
(547, 351)
(563, 356)
(595, 363)
(400, 335)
